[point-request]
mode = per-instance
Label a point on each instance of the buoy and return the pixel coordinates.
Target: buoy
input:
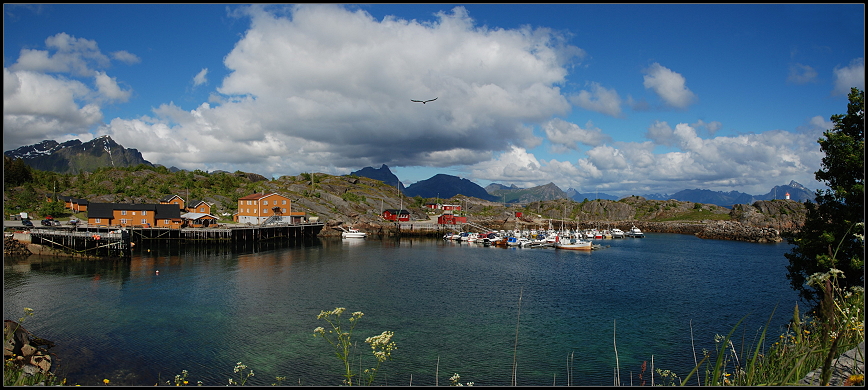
(158, 272)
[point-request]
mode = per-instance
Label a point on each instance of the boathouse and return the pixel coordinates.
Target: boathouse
(139, 215)
(396, 215)
(196, 220)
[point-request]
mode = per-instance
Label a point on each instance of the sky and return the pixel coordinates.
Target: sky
(623, 99)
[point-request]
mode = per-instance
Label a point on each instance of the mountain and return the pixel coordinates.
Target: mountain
(74, 156)
(719, 198)
(514, 194)
(797, 192)
(577, 196)
(384, 174)
(447, 186)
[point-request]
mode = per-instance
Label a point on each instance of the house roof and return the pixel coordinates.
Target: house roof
(196, 202)
(260, 196)
(170, 197)
(196, 215)
(106, 210)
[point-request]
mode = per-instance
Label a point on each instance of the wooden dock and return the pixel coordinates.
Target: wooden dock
(103, 242)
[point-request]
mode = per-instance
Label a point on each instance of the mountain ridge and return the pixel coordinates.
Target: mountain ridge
(75, 156)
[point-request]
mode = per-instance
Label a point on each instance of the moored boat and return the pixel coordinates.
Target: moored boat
(353, 233)
(573, 244)
(635, 232)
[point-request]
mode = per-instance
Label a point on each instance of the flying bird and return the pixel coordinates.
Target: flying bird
(423, 101)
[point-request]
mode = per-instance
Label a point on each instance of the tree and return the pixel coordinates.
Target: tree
(829, 237)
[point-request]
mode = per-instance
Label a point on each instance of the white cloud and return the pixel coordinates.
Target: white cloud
(126, 57)
(801, 74)
(599, 99)
(48, 94)
(78, 56)
(201, 77)
(569, 135)
(108, 87)
(669, 85)
(38, 107)
(332, 87)
(850, 76)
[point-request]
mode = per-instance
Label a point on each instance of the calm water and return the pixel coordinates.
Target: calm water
(454, 308)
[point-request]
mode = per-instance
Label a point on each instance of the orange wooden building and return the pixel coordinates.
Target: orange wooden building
(266, 208)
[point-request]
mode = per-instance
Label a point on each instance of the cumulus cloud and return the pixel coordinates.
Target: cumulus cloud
(58, 93)
(599, 99)
(801, 74)
(569, 135)
(852, 75)
(37, 106)
(669, 85)
(201, 77)
(332, 87)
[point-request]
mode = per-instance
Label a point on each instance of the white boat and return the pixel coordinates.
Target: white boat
(617, 233)
(573, 244)
(353, 233)
(635, 232)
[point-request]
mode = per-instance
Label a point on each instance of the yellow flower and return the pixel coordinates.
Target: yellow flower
(106, 381)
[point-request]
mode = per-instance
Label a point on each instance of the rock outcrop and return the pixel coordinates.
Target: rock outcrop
(24, 350)
(12, 247)
(731, 230)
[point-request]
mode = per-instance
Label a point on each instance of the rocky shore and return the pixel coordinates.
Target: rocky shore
(12, 247)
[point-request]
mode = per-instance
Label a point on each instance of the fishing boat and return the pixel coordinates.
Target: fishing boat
(573, 244)
(617, 233)
(635, 232)
(353, 233)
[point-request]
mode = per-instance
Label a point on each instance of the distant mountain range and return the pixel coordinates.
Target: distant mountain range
(76, 156)
(447, 186)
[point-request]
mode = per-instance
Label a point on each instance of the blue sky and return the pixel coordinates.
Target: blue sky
(617, 98)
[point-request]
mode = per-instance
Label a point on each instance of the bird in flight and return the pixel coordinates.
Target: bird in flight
(423, 101)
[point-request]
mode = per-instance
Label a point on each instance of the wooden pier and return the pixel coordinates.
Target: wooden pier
(102, 242)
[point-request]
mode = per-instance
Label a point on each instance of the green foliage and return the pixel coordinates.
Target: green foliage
(54, 208)
(352, 197)
(829, 237)
(16, 172)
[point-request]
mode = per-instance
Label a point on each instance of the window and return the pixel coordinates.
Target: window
(248, 203)
(134, 213)
(144, 212)
(284, 202)
(201, 209)
(265, 203)
(123, 212)
(283, 210)
(97, 220)
(144, 221)
(264, 211)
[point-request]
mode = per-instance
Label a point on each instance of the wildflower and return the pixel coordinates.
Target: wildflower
(105, 381)
(855, 380)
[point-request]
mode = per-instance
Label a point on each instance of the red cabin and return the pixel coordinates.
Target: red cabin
(396, 215)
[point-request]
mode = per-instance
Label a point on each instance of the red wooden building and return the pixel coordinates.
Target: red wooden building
(396, 215)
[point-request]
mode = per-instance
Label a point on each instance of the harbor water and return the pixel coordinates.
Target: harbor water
(539, 316)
